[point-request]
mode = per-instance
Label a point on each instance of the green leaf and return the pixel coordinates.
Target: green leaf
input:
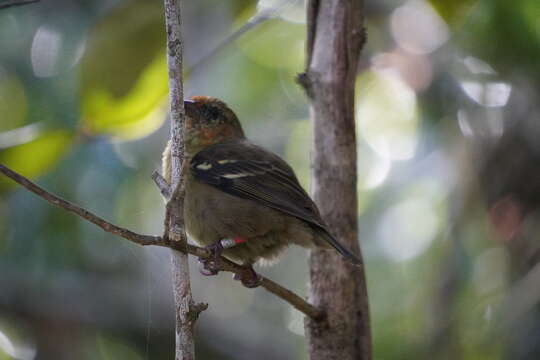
(124, 73)
(34, 158)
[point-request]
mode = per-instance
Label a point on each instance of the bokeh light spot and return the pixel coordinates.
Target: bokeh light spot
(407, 229)
(45, 51)
(418, 28)
(6, 345)
(491, 94)
(387, 115)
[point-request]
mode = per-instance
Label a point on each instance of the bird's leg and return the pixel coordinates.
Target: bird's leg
(248, 277)
(211, 265)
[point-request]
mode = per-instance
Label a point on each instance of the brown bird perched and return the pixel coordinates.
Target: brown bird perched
(241, 200)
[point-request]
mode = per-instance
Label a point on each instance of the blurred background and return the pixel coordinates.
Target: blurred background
(449, 175)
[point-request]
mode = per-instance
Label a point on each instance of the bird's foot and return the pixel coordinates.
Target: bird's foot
(205, 270)
(248, 277)
(211, 265)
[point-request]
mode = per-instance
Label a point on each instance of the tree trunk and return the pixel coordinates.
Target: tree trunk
(335, 37)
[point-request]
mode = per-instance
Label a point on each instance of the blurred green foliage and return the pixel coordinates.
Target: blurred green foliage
(83, 93)
(124, 72)
(453, 11)
(12, 102)
(35, 157)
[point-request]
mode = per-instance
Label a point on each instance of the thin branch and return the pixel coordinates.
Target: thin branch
(93, 218)
(285, 294)
(296, 301)
(225, 265)
(11, 3)
(174, 220)
(166, 192)
(175, 198)
(162, 185)
(253, 22)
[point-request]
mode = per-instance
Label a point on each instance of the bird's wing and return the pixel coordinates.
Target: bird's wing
(248, 171)
(245, 170)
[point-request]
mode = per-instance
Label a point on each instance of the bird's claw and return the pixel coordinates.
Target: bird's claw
(211, 265)
(206, 268)
(248, 277)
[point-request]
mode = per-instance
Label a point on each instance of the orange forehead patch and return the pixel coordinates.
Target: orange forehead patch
(202, 99)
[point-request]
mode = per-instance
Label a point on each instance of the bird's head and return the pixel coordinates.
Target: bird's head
(209, 121)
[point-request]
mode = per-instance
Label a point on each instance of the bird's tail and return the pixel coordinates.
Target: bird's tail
(346, 253)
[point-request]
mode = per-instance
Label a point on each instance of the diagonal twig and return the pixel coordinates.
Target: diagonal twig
(225, 264)
(166, 192)
(253, 22)
(162, 184)
(11, 3)
(93, 218)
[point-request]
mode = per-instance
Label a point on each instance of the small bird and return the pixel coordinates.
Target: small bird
(241, 200)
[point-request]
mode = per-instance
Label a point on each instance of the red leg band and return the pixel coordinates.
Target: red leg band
(239, 240)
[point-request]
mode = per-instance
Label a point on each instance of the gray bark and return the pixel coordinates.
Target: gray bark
(335, 38)
(185, 343)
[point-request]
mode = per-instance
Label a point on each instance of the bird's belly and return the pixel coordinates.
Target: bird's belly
(212, 215)
(197, 213)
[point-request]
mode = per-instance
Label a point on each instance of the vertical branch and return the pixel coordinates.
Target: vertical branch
(334, 40)
(185, 348)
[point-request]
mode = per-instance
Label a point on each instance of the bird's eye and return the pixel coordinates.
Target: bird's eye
(211, 113)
